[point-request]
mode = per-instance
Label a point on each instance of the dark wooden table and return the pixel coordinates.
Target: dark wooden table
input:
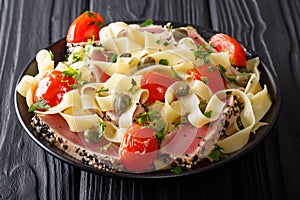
(270, 171)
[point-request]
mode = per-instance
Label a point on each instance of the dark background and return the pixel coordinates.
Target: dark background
(270, 171)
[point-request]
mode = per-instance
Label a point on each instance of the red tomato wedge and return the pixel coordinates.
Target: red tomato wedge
(139, 148)
(52, 87)
(210, 75)
(157, 84)
(222, 42)
(84, 27)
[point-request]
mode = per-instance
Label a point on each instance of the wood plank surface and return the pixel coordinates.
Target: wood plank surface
(270, 171)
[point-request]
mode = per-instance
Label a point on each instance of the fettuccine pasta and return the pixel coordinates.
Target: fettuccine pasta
(157, 77)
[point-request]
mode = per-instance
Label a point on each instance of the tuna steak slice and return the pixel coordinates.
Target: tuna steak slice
(55, 129)
(187, 145)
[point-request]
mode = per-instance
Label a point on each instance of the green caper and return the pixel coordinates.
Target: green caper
(125, 55)
(182, 90)
(202, 106)
(145, 62)
(121, 103)
(242, 79)
(180, 33)
(92, 135)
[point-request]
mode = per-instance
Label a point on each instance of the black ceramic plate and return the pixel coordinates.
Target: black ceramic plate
(268, 77)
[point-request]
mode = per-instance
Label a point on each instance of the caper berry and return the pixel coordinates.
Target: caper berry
(92, 135)
(182, 90)
(146, 62)
(122, 103)
(242, 79)
(180, 33)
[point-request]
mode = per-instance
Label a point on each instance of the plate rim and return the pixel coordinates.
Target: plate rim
(63, 156)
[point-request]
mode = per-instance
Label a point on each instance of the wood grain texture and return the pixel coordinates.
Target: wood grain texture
(271, 171)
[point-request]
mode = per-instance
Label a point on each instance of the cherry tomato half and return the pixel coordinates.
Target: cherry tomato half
(223, 42)
(139, 148)
(84, 27)
(157, 84)
(210, 75)
(52, 87)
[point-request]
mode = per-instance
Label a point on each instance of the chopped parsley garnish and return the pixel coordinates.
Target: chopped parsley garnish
(113, 57)
(133, 84)
(72, 73)
(76, 57)
(208, 114)
(204, 80)
(216, 154)
(90, 14)
(176, 170)
(152, 119)
(66, 57)
(174, 73)
(100, 24)
(148, 22)
(222, 71)
(102, 89)
(51, 55)
(39, 104)
(101, 129)
(203, 52)
(211, 69)
(91, 41)
(163, 62)
(105, 147)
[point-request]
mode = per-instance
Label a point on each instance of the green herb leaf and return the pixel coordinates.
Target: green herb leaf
(76, 56)
(113, 57)
(211, 69)
(208, 114)
(204, 80)
(148, 22)
(203, 52)
(91, 41)
(176, 170)
(101, 129)
(70, 72)
(152, 119)
(216, 154)
(133, 84)
(90, 14)
(100, 24)
(105, 147)
(163, 62)
(160, 135)
(102, 89)
(39, 104)
(174, 73)
(66, 57)
(51, 55)
(222, 71)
